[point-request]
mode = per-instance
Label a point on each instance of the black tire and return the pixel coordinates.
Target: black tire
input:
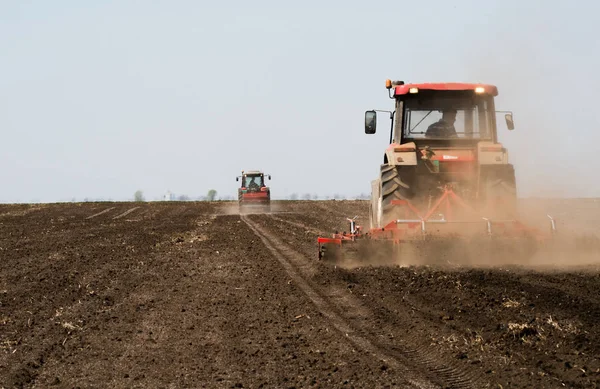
(330, 253)
(394, 186)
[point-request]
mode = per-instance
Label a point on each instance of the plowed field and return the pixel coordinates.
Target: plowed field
(170, 295)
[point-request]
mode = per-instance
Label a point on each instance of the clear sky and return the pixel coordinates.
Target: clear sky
(100, 99)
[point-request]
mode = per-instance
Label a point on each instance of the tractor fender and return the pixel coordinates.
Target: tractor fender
(490, 153)
(401, 154)
(375, 205)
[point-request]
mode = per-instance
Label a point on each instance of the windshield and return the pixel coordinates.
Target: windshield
(447, 118)
(250, 181)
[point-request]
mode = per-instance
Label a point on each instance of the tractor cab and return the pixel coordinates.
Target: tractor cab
(441, 114)
(252, 181)
(253, 192)
(443, 136)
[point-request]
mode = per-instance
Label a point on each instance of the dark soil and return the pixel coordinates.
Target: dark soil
(189, 295)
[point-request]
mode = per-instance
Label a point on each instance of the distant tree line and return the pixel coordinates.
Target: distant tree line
(212, 195)
(335, 196)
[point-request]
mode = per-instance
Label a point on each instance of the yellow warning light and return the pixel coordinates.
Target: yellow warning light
(413, 90)
(479, 89)
(388, 84)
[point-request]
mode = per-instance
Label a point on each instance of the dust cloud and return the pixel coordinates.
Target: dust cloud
(559, 253)
(527, 62)
(573, 244)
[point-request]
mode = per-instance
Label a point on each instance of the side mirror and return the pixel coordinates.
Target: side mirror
(370, 122)
(237, 178)
(269, 176)
(509, 121)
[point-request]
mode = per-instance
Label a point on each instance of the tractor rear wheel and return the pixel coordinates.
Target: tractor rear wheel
(394, 186)
(501, 192)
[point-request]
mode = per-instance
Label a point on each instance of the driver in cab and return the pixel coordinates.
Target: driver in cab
(253, 184)
(444, 128)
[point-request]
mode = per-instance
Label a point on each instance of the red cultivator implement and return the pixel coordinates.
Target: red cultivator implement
(449, 224)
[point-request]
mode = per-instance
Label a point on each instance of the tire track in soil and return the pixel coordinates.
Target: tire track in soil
(125, 213)
(415, 300)
(67, 304)
(444, 376)
(100, 213)
(412, 348)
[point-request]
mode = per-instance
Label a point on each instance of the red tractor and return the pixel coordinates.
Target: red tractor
(253, 194)
(444, 174)
(446, 188)
(443, 137)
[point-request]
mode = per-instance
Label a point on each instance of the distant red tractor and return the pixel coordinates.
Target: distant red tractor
(253, 194)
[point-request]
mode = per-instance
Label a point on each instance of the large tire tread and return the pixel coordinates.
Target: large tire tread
(392, 188)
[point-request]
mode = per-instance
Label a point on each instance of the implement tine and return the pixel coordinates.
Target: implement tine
(552, 225)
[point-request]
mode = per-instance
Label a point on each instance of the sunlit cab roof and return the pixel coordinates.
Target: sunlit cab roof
(446, 86)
